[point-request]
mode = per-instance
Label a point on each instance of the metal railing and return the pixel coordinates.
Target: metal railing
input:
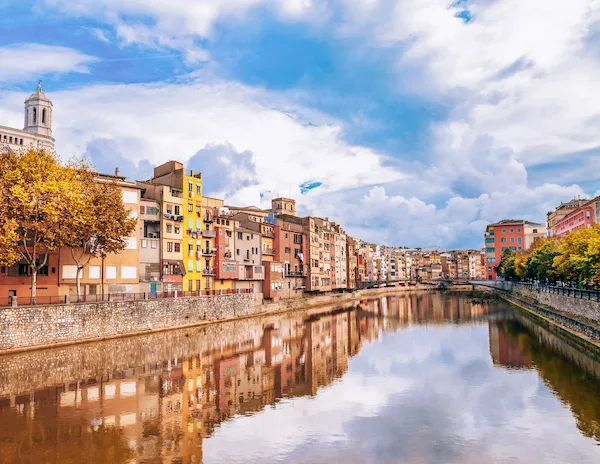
(73, 299)
(582, 294)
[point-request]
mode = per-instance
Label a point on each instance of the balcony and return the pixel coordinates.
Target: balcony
(250, 272)
(268, 251)
(295, 273)
(208, 218)
(209, 233)
(208, 272)
(209, 252)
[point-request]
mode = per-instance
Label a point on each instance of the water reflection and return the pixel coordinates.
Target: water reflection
(160, 398)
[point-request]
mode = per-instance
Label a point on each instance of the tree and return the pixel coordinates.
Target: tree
(541, 262)
(579, 258)
(101, 223)
(36, 192)
(506, 266)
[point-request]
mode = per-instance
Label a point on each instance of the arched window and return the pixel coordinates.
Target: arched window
(10, 140)
(21, 142)
(44, 116)
(26, 117)
(35, 115)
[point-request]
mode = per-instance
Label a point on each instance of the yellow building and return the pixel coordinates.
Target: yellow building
(173, 174)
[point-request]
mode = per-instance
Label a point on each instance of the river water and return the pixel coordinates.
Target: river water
(409, 378)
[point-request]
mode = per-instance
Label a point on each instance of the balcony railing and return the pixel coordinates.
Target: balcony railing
(295, 273)
(268, 251)
(208, 272)
(209, 251)
(209, 233)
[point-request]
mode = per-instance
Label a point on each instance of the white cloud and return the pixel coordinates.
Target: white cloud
(22, 61)
(167, 121)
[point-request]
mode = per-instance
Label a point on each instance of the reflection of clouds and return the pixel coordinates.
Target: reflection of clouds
(423, 395)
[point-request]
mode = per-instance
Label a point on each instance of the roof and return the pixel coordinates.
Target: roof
(506, 222)
(38, 94)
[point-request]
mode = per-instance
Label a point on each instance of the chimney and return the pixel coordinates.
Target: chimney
(191, 173)
(116, 172)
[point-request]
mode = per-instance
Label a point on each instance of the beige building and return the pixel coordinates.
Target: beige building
(248, 254)
(170, 233)
(150, 245)
(116, 273)
(316, 230)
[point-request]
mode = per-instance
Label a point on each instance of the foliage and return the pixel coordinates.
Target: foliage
(506, 266)
(36, 191)
(100, 221)
(537, 261)
(579, 258)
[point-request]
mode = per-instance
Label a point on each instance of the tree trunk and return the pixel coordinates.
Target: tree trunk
(78, 282)
(33, 283)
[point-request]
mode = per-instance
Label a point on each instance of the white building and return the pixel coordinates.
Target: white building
(38, 125)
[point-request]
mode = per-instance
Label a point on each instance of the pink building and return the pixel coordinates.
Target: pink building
(583, 216)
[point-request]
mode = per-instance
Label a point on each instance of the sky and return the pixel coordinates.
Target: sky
(410, 122)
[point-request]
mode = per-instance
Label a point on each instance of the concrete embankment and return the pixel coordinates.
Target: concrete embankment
(34, 327)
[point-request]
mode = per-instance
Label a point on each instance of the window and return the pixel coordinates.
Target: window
(190, 208)
(512, 239)
(111, 272)
(519, 240)
(130, 197)
(35, 115)
(504, 248)
(142, 210)
(535, 231)
(190, 265)
(198, 189)
(520, 248)
(490, 250)
(247, 254)
(512, 230)
(190, 224)
(44, 116)
(170, 247)
(24, 268)
(128, 272)
(177, 247)
(489, 240)
(503, 231)
(144, 243)
(503, 239)
(169, 228)
(492, 232)
(20, 141)
(198, 209)
(227, 222)
(239, 236)
(177, 210)
(177, 230)
(190, 187)
(237, 251)
(94, 272)
(518, 229)
(153, 244)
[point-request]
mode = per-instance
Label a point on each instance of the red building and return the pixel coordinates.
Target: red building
(290, 246)
(516, 235)
(15, 280)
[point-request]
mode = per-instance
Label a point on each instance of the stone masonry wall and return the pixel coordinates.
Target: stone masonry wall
(567, 304)
(589, 309)
(32, 326)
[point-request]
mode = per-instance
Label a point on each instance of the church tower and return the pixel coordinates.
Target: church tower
(38, 113)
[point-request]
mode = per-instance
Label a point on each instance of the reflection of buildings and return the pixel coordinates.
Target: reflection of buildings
(164, 410)
(505, 349)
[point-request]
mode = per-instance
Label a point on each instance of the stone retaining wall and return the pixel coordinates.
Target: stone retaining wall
(35, 326)
(589, 309)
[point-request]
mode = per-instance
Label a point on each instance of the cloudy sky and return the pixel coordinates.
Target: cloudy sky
(411, 122)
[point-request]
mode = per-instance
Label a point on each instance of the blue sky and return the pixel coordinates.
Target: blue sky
(416, 121)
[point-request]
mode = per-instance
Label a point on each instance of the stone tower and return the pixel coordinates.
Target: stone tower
(38, 113)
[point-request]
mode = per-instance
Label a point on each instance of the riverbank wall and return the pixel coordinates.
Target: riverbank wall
(577, 316)
(34, 327)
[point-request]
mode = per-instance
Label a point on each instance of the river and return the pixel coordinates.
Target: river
(408, 378)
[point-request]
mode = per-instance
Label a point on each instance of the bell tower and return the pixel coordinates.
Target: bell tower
(38, 113)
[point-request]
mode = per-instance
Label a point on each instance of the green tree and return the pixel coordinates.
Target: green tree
(541, 261)
(506, 267)
(36, 191)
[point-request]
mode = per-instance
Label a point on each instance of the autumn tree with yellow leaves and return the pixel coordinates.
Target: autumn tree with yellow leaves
(47, 205)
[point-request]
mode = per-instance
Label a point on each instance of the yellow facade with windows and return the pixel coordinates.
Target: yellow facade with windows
(193, 250)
